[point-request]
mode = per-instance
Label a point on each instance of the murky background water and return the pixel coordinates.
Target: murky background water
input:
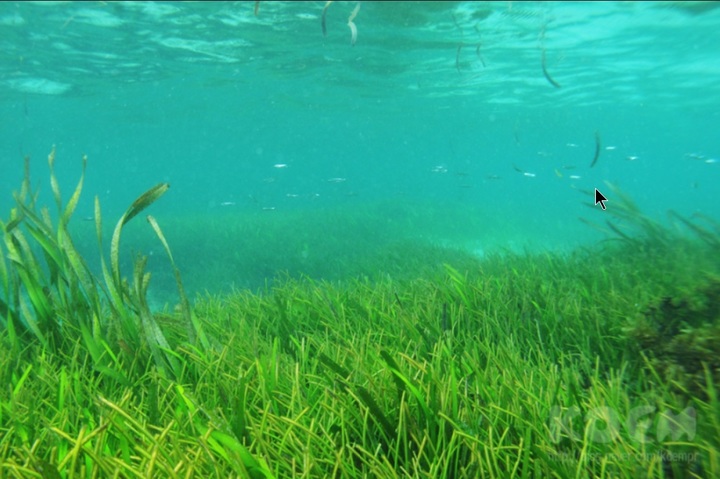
(470, 124)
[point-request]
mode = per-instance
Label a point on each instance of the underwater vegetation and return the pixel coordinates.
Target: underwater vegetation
(681, 336)
(595, 363)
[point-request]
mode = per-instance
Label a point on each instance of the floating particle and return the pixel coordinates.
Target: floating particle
(545, 72)
(597, 149)
(322, 19)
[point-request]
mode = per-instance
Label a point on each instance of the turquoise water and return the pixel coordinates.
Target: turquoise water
(440, 112)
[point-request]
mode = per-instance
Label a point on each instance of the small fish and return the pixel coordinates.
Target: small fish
(525, 173)
(268, 208)
(611, 148)
(280, 165)
(711, 161)
(439, 169)
(597, 149)
(336, 180)
(571, 145)
(228, 203)
(631, 158)
(575, 177)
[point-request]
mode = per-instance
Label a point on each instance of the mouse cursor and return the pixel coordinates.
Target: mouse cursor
(600, 198)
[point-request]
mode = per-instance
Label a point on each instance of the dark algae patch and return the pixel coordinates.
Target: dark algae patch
(679, 338)
(600, 362)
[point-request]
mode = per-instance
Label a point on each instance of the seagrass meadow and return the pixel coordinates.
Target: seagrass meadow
(599, 362)
(349, 240)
